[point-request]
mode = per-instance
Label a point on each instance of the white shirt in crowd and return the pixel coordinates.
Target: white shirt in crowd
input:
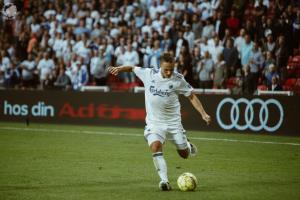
(98, 67)
(35, 28)
(58, 47)
(27, 72)
(148, 29)
(5, 64)
(190, 37)
(131, 58)
(239, 42)
(45, 67)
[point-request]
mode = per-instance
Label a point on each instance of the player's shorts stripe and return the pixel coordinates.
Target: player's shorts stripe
(157, 154)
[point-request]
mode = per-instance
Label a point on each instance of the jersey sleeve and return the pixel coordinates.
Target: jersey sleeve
(142, 73)
(184, 87)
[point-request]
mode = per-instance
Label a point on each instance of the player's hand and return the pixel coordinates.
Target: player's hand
(206, 118)
(113, 70)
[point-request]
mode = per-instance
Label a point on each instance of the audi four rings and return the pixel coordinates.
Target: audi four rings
(249, 114)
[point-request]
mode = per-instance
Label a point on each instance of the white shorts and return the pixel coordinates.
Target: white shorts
(161, 133)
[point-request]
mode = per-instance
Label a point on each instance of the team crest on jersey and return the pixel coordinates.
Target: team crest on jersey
(159, 92)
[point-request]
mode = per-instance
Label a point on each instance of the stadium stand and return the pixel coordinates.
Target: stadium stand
(67, 45)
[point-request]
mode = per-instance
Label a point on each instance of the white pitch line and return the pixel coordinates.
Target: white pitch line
(140, 135)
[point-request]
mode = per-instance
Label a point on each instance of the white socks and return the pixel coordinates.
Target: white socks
(160, 165)
(189, 147)
(188, 144)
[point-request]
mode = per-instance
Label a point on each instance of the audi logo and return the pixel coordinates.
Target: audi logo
(235, 114)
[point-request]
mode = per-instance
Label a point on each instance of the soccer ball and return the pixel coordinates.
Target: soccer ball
(187, 182)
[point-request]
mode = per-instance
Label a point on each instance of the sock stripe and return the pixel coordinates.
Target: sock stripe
(157, 154)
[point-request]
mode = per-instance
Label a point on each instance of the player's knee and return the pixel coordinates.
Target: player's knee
(156, 147)
(183, 153)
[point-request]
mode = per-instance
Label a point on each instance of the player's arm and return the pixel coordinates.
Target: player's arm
(198, 106)
(123, 68)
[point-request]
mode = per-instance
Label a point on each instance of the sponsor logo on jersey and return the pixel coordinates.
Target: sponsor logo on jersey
(159, 92)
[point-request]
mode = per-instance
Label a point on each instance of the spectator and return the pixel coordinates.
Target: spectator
(98, 67)
(230, 54)
(58, 45)
(205, 70)
(204, 46)
(275, 86)
(270, 73)
(269, 45)
(260, 10)
(50, 80)
(220, 25)
(220, 73)
(255, 62)
(120, 56)
(79, 75)
(205, 9)
(154, 56)
(233, 23)
(238, 83)
(180, 43)
(11, 76)
(131, 58)
(81, 29)
(227, 36)
(250, 28)
(45, 67)
(166, 43)
(28, 77)
(240, 40)
(62, 81)
(197, 26)
(189, 36)
(187, 70)
(147, 27)
(31, 43)
(246, 49)
(268, 61)
(196, 57)
(208, 29)
(247, 84)
(215, 48)
(4, 61)
(97, 31)
(281, 54)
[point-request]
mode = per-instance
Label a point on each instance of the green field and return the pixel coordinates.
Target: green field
(83, 162)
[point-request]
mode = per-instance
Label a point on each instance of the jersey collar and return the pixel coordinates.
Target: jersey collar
(162, 78)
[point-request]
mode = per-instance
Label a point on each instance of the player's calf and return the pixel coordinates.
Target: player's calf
(184, 153)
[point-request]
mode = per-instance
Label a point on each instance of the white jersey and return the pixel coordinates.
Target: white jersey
(161, 96)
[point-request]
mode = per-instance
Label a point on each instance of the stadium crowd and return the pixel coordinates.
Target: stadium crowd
(236, 44)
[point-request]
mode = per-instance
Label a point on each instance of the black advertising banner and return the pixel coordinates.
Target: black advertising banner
(276, 115)
(73, 107)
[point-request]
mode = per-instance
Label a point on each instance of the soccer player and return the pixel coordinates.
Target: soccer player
(163, 120)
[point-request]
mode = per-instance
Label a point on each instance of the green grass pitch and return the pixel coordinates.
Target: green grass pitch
(84, 162)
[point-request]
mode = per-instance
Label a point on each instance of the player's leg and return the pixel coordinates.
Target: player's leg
(160, 165)
(191, 147)
(191, 150)
(155, 142)
(184, 147)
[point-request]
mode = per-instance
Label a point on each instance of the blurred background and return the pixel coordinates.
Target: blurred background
(240, 45)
